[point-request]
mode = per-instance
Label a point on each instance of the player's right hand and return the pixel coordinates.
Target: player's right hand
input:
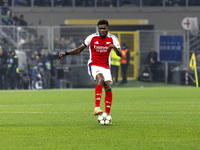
(111, 46)
(61, 55)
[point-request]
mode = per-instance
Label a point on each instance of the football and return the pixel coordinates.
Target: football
(104, 119)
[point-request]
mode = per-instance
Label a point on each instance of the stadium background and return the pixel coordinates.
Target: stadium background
(137, 23)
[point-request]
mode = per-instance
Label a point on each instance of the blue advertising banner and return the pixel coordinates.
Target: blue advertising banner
(170, 48)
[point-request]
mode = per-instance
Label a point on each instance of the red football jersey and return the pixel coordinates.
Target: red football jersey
(99, 51)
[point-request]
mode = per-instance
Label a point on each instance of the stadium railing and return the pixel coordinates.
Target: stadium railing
(61, 38)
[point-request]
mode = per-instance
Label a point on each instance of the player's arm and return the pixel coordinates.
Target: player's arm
(117, 50)
(75, 51)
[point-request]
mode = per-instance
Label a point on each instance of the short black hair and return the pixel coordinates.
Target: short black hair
(103, 22)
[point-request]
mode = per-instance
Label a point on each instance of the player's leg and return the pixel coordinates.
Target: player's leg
(108, 92)
(108, 96)
(98, 93)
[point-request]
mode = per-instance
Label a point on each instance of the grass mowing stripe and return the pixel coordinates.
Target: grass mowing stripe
(143, 119)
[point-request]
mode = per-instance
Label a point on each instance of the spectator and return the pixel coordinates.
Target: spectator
(124, 62)
(152, 62)
(32, 62)
(6, 14)
(32, 44)
(47, 67)
(115, 63)
(22, 22)
(63, 44)
(3, 68)
(82, 57)
(71, 45)
(38, 77)
(15, 19)
(25, 44)
(13, 70)
(57, 44)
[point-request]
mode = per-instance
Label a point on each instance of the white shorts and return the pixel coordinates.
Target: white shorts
(94, 70)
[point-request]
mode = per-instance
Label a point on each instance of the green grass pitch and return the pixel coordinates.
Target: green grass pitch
(143, 119)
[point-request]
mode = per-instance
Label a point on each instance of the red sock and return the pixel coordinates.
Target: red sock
(98, 93)
(108, 101)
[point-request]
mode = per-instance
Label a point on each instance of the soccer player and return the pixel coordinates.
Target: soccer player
(100, 46)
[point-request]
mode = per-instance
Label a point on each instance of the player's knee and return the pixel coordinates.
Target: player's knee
(107, 87)
(100, 79)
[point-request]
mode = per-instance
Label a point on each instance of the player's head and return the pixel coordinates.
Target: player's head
(103, 28)
(12, 52)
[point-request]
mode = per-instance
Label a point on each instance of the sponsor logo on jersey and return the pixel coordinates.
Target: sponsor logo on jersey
(101, 48)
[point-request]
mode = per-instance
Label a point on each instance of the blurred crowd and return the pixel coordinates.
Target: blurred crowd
(8, 18)
(37, 69)
(17, 71)
(33, 53)
(13, 72)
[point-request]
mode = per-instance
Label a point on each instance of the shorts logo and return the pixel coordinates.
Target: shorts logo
(108, 42)
(97, 71)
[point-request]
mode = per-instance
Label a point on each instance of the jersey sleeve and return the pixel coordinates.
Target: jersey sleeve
(116, 41)
(87, 41)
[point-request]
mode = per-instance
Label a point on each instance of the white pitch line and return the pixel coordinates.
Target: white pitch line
(26, 105)
(167, 113)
